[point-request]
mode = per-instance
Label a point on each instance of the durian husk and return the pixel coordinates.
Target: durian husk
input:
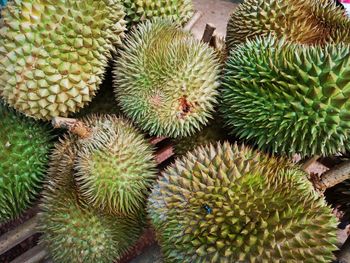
(306, 22)
(288, 98)
(53, 53)
(165, 80)
(224, 203)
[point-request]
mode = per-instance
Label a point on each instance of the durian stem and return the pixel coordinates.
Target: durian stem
(309, 162)
(334, 176)
(208, 33)
(193, 21)
(73, 125)
(344, 253)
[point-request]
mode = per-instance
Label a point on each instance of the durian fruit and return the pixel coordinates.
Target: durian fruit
(53, 53)
(72, 233)
(72, 230)
(115, 168)
(24, 150)
(166, 81)
(139, 10)
(289, 98)
(306, 22)
(226, 203)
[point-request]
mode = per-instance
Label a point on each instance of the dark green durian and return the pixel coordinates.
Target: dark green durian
(288, 98)
(24, 149)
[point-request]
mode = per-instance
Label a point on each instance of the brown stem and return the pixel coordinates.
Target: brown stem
(309, 162)
(73, 125)
(208, 33)
(193, 21)
(336, 175)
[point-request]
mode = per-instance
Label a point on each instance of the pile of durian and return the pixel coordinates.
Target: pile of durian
(127, 70)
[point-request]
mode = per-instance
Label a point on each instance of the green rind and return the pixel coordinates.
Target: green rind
(24, 149)
(166, 81)
(288, 98)
(53, 53)
(263, 209)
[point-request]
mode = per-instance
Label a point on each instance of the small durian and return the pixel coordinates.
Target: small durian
(288, 98)
(24, 150)
(226, 203)
(72, 233)
(306, 22)
(115, 168)
(165, 80)
(139, 10)
(53, 53)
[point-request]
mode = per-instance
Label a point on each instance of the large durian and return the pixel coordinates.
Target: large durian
(289, 98)
(24, 150)
(115, 168)
(75, 233)
(166, 81)
(302, 21)
(53, 53)
(139, 10)
(228, 203)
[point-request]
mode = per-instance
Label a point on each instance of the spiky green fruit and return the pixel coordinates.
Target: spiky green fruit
(289, 98)
(307, 22)
(139, 10)
(72, 233)
(228, 203)
(24, 150)
(72, 230)
(115, 168)
(53, 53)
(166, 81)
